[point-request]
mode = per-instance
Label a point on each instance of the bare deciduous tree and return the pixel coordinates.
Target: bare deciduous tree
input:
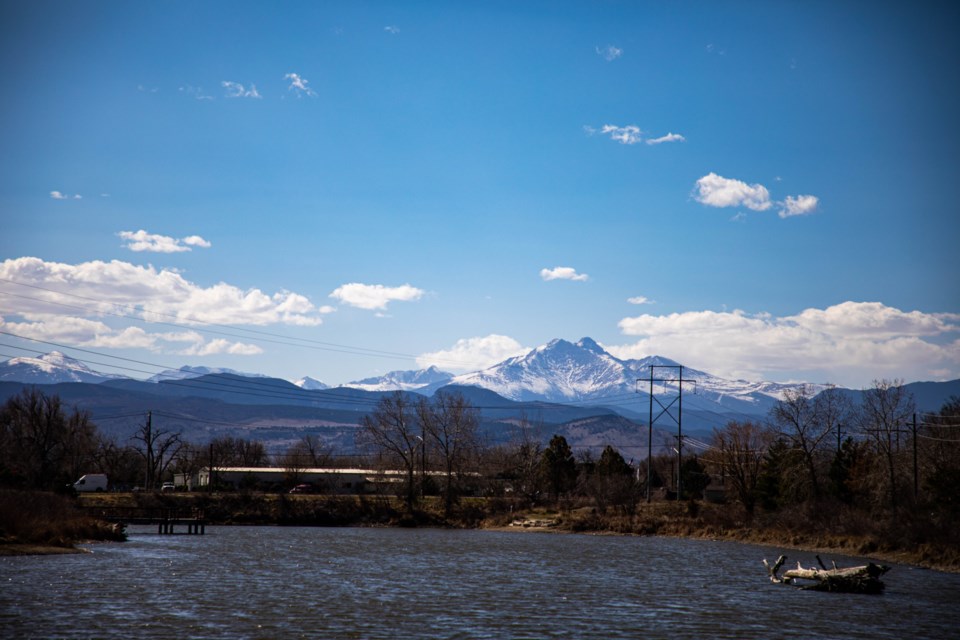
(157, 448)
(450, 425)
(392, 430)
(796, 419)
(738, 451)
(886, 409)
(40, 444)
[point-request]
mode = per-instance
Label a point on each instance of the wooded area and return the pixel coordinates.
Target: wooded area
(878, 475)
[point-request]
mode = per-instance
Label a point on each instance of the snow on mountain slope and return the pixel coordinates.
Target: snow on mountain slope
(561, 371)
(311, 384)
(187, 372)
(51, 368)
(424, 380)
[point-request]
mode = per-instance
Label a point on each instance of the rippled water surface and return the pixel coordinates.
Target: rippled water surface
(269, 582)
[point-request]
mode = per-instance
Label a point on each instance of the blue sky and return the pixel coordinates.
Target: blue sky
(339, 189)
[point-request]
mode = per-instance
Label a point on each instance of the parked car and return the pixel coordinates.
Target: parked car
(167, 486)
(303, 488)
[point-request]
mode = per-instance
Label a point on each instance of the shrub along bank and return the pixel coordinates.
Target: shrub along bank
(37, 521)
(829, 529)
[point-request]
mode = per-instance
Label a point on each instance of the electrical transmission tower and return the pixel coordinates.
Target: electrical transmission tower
(665, 410)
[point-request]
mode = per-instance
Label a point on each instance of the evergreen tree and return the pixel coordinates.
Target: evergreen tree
(558, 467)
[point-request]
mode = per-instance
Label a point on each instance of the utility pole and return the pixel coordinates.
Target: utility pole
(915, 470)
(148, 445)
(665, 409)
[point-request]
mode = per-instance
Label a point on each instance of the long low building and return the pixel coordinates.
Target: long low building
(326, 480)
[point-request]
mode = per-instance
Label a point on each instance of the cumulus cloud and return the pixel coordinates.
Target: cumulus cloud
(374, 296)
(469, 354)
(850, 343)
(609, 52)
(640, 300)
(392, 29)
(196, 241)
(670, 137)
(298, 85)
(221, 346)
(798, 206)
(101, 288)
(629, 134)
(563, 273)
(716, 191)
(95, 334)
(237, 90)
(155, 243)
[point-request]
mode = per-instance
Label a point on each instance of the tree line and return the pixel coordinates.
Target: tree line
(817, 455)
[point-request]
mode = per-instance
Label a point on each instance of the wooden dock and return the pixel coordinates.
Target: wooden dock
(167, 520)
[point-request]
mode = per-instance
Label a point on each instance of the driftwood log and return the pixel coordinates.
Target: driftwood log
(863, 579)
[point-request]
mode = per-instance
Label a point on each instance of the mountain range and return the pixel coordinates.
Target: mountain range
(578, 390)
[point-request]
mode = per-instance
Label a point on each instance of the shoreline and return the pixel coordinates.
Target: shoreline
(905, 558)
(701, 521)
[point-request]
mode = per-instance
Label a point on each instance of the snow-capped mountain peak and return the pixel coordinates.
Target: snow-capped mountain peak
(311, 384)
(423, 380)
(187, 372)
(51, 368)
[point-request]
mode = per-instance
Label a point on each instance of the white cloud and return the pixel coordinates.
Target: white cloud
(374, 296)
(155, 243)
(798, 206)
(609, 52)
(469, 354)
(299, 85)
(94, 334)
(850, 343)
(392, 29)
(157, 296)
(629, 134)
(57, 195)
(196, 92)
(670, 137)
(717, 191)
(237, 90)
(563, 273)
(220, 346)
(196, 241)
(640, 300)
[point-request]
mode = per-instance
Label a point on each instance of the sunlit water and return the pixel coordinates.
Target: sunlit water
(270, 582)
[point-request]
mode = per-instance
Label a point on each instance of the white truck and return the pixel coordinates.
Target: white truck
(91, 482)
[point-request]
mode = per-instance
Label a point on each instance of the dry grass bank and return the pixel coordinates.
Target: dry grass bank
(782, 531)
(841, 533)
(33, 522)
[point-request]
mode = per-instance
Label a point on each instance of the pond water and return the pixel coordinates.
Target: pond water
(269, 582)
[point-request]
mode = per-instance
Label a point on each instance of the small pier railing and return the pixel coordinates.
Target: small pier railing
(166, 519)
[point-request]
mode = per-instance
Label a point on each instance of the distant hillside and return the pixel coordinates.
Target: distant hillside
(576, 390)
